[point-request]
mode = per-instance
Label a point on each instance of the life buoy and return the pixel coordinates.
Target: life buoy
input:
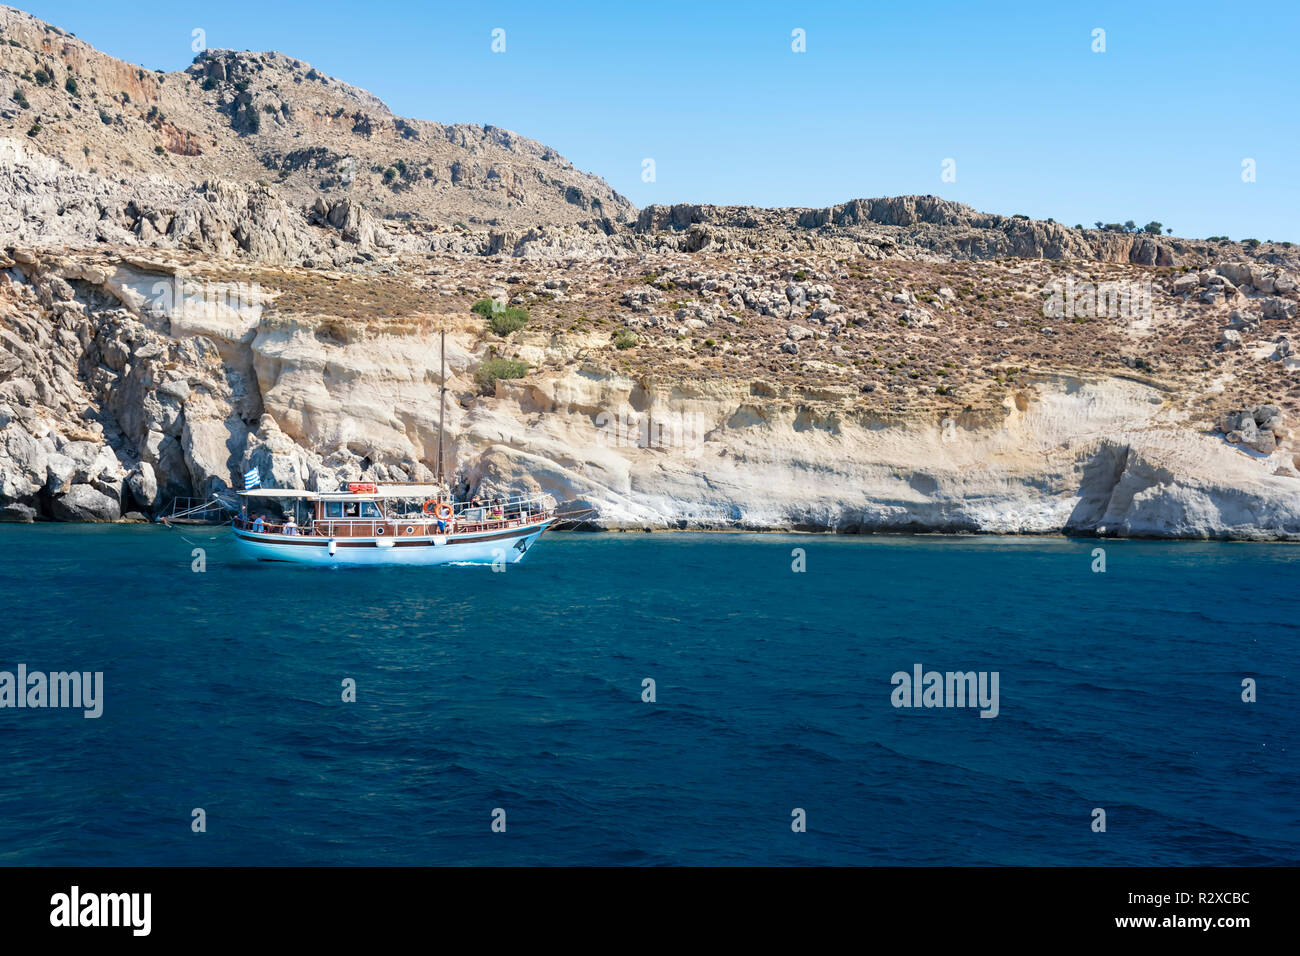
(439, 509)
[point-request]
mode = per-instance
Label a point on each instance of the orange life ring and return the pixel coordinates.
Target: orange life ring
(441, 509)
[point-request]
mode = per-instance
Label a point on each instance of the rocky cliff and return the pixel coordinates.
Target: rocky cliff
(128, 381)
(215, 270)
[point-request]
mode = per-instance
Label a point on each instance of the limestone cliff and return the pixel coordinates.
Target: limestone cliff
(125, 390)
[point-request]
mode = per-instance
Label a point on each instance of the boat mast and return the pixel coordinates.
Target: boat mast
(442, 402)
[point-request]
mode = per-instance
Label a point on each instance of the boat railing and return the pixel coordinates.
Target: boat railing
(525, 512)
(516, 503)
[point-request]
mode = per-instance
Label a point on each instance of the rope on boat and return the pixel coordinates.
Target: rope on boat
(215, 503)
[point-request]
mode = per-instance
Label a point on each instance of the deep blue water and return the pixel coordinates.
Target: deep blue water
(522, 690)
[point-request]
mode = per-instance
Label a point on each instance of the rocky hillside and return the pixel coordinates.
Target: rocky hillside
(213, 271)
(270, 118)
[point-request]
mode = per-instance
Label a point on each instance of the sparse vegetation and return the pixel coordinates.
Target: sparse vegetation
(493, 369)
(506, 321)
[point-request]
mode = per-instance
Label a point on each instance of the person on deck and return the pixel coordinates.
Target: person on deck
(290, 526)
(259, 523)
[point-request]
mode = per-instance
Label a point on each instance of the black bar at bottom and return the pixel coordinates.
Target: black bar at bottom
(333, 905)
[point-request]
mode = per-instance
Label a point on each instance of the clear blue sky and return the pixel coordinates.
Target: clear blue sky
(1156, 127)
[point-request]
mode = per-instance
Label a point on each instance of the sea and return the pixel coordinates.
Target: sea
(654, 699)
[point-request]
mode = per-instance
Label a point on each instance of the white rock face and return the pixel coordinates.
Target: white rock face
(1083, 456)
(201, 397)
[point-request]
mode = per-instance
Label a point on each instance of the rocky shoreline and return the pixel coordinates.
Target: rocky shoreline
(109, 407)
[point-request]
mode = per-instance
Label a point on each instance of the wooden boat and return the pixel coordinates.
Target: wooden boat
(378, 524)
(394, 523)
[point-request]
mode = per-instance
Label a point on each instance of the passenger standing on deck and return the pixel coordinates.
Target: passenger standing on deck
(290, 527)
(259, 523)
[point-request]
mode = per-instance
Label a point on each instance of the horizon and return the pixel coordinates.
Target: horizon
(724, 84)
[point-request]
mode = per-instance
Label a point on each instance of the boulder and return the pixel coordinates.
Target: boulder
(1275, 307)
(84, 503)
(18, 511)
(1267, 416)
(1238, 320)
(59, 471)
(1229, 339)
(143, 485)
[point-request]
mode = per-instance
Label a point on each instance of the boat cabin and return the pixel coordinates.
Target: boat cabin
(386, 511)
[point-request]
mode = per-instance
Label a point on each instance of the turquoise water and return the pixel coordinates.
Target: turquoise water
(522, 690)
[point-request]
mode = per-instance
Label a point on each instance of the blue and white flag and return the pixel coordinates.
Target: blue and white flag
(252, 479)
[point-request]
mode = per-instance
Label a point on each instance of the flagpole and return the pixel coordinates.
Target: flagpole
(442, 403)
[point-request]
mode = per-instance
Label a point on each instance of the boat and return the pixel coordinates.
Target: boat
(411, 523)
(392, 524)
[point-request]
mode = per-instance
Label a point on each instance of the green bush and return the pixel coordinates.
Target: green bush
(484, 307)
(70, 84)
(625, 339)
(508, 320)
(486, 375)
(20, 98)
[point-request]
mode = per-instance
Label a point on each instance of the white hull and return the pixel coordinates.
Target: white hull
(489, 547)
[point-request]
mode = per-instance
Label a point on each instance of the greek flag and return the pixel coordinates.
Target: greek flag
(252, 479)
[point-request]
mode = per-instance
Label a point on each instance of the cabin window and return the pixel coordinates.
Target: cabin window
(370, 510)
(334, 509)
(350, 509)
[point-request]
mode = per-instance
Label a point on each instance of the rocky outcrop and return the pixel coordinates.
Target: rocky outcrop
(924, 226)
(1259, 428)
